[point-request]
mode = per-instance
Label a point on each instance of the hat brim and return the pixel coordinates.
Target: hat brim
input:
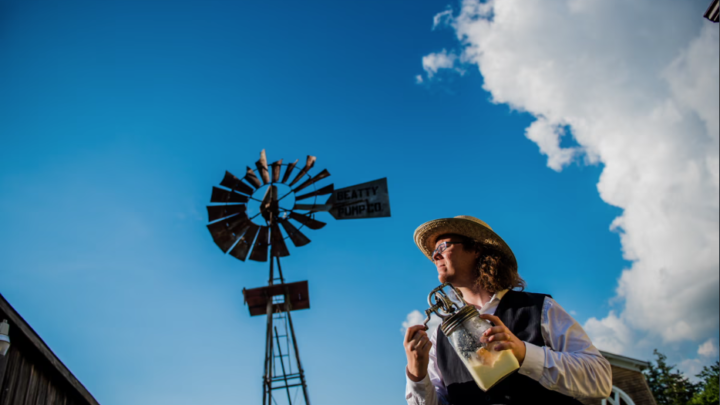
(426, 235)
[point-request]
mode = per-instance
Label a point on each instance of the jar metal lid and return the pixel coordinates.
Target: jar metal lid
(452, 322)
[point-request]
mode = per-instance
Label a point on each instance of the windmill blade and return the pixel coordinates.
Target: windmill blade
(263, 167)
(295, 235)
(307, 221)
(278, 247)
(223, 196)
(243, 246)
(216, 212)
(313, 207)
(238, 224)
(259, 252)
(221, 235)
(288, 171)
(235, 184)
(276, 166)
(226, 232)
(251, 178)
(323, 174)
(309, 163)
(325, 190)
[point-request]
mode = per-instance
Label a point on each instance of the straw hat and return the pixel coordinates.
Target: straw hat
(426, 234)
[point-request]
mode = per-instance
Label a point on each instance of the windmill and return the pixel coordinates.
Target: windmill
(259, 212)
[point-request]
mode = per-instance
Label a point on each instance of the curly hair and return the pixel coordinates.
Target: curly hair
(493, 270)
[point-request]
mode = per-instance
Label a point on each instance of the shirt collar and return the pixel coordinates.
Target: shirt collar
(499, 295)
(494, 300)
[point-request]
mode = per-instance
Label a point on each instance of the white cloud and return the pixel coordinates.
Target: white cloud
(636, 85)
(435, 61)
(419, 79)
(708, 349)
(690, 368)
(547, 136)
(442, 19)
(707, 352)
(610, 333)
(417, 318)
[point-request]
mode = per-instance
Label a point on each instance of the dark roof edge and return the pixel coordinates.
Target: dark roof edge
(40, 345)
(625, 362)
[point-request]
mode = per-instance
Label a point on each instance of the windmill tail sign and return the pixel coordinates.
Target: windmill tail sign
(367, 200)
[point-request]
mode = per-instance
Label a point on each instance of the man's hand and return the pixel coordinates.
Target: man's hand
(503, 338)
(417, 349)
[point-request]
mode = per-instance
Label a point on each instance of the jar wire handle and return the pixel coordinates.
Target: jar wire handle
(443, 305)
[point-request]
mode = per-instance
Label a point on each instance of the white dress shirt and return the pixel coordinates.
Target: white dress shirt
(569, 363)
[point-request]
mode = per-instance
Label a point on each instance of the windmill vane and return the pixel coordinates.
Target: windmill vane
(280, 217)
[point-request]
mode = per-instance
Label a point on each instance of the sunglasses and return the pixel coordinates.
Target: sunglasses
(442, 247)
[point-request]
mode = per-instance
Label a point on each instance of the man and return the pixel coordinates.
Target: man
(558, 362)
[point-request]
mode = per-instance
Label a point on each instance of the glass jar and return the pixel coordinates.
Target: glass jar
(464, 329)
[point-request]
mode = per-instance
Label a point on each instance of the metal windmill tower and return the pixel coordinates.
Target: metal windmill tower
(237, 229)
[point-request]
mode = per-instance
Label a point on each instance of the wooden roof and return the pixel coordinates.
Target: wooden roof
(21, 329)
(626, 376)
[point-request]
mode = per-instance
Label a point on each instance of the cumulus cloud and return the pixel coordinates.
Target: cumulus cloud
(441, 60)
(708, 349)
(610, 333)
(690, 368)
(707, 352)
(417, 318)
(547, 136)
(443, 18)
(636, 85)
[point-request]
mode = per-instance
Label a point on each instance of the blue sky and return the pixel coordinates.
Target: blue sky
(117, 118)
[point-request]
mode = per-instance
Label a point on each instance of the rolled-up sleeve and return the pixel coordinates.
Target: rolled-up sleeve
(430, 390)
(570, 364)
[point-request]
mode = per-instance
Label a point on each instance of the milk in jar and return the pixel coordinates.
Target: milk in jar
(462, 325)
(486, 365)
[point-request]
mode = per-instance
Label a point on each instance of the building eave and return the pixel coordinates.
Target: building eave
(625, 362)
(35, 340)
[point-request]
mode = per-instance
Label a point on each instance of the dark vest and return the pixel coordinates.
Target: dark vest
(521, 312)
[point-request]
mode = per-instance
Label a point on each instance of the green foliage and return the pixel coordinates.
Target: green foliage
(708, 386)
(669, 386)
